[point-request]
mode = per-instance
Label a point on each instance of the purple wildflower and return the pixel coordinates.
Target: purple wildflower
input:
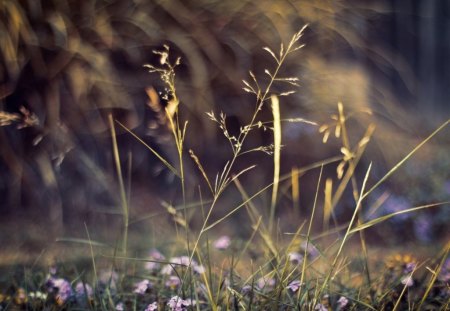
(409, 267)
(83, 289)
(342, 302)
(178, 304)
(154, 254)
(200, 269)
(222, 243)
(109, 278)
(311, 250)
(61, 288)
(296, 258)
(141, 287)
(265, 283)
(151, 307)
(294, 285)
(119, 306)
(182, 260)
(408, 281)
(173, 282)
(167, 270)
(320, 307)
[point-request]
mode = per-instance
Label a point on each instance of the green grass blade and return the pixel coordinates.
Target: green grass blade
(381, 219)
(392, 170)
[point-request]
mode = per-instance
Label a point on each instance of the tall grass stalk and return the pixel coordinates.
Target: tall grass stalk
(406, 158)
(308, 234)
(346, 236)
(123, 196)
(261, 97)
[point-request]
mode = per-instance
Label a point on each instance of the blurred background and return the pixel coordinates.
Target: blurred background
(65, 65)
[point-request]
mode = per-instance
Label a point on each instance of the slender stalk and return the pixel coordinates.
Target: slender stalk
(123, 195)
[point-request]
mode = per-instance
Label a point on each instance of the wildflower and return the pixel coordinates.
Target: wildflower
(265, 283)
(200, 269)
(182, 261)
(409, 267)
(320, 307)
(311, 250)
(295, 258)
(154, 255)
(119, 306)
(222, 243)
(141, 287)
(109, 279)
(342, 302)
(167, 270)
(178, 304)
(151, 307)
(61, 289)
(407, 281)
(173, 282)
(294, 285)
(83, 289)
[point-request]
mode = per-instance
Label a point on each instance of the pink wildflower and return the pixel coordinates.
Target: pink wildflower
(154, 255)
(294, 285)
(142, 287)
(151, 307)
(342, 302)
(173, 282)
(222, 243)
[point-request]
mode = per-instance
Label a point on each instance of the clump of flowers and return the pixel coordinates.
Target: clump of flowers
(183, 262)
(177, 303)
(60, 289)
(152, 307)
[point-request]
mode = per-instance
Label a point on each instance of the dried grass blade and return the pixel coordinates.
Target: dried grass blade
(164, 161)
(276, 155)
